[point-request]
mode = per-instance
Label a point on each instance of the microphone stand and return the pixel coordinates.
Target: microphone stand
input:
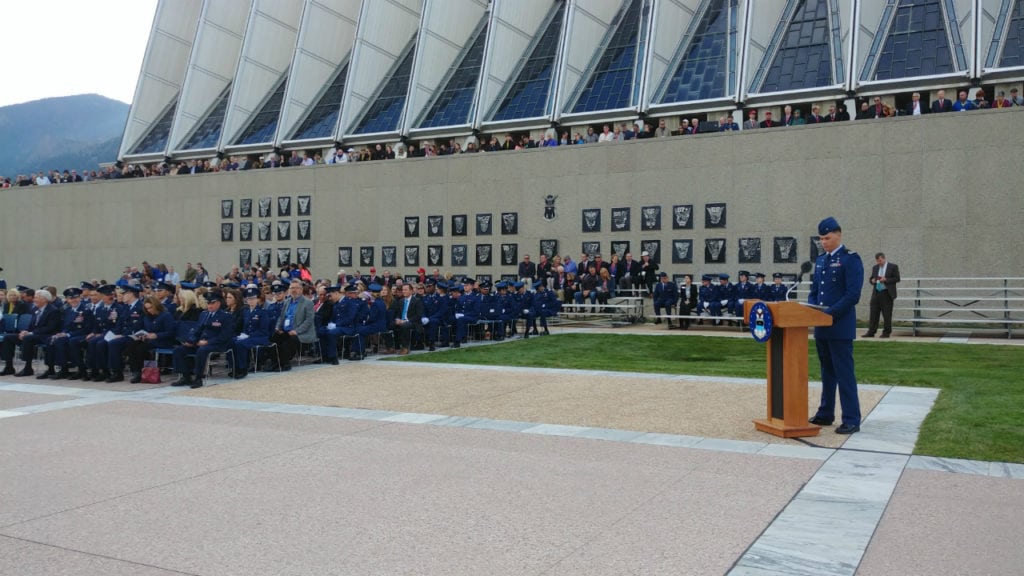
(804, 269)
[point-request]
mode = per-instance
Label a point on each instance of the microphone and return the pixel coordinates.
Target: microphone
(804, 269)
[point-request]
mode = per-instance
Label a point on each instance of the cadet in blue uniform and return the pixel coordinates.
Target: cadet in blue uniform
(665, 296)
(524, 309)
(777, 291)
(375, 323)
(255, 332)
(437, 305)
(725, 293)
(164, 291)
(507, 317)
(76, 325)
(467, 310)
(838, 277)
(744, 291)
(760, 288)
(545, 305)
(105, 314)
(129, 322)
(706, 302)
(213, 333)
(490, 310)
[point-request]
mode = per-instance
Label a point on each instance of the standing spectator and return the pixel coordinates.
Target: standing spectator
(916, 107)
(836, 285)
(979, 100)
(751, 121)
(190, 273)
(1001, 101)
(662, 130)
(941, 103)
(768, 122)
(1015, 99)
(884, 277)
(962, 104)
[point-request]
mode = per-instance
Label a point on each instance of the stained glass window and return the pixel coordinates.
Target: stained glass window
(323, 117)
(611, 83)
(207, 133)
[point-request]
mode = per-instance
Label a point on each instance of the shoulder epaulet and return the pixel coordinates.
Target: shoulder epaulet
(848, 251)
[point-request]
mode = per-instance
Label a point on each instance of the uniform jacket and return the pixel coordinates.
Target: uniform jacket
(836, 286)
(217, 328)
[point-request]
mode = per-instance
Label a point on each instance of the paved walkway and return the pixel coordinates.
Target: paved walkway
(454, 471)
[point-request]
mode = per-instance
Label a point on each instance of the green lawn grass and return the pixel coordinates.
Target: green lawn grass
(979, 413)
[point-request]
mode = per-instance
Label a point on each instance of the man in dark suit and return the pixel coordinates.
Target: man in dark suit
(836, 286)
(815, 117)
(46, 321)
(916, 107)
(768, 122)
(409, 314)
(941, 103)
(627, 272)
(884, 277)
(687, 300)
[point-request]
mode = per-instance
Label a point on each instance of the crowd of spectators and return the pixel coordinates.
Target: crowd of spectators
(792, 115)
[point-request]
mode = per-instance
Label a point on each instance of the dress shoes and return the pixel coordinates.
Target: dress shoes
(115, 377)
(136, 379)
(182, 381)
(457, 344)
(819, 421)
(8, 371)
(286, 367)
(870, 335)
(26, 371)
(62, 375)
(847, 429)
(403, 352)
(197, 383)
(332, 361)
(431, 348)
(239, 374)
(884, 335)
(48, 374)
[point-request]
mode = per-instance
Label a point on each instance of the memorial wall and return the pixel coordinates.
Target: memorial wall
(940, 195)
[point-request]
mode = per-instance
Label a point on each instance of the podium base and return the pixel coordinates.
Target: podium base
(781, 429)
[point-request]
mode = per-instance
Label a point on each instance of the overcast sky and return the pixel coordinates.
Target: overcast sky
(66, 47)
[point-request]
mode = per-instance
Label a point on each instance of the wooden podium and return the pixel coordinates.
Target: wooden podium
(787, 368)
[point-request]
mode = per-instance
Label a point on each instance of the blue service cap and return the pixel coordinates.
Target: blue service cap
(233, 285)
(518, 284)
(213, 296)
(351, 287)
(539, 283)
(456, 287)
(430, 282)
(744, 273)
(777, 275)
(663, 274)
(252, 292)
(759, 275)
(723, 276)
(278, 288)
(333, 288)
(22, 288)
(107, 289)
(502, 285)
(828, 225)
(72, 292)
(135, 288)
(189, 285)
(706, 278)
(469, 280)
(87, 285)
(374, 287)
(165, 286)
(209, 284)
(485, 285)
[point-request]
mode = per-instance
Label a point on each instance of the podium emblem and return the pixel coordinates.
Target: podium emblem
(760, 322)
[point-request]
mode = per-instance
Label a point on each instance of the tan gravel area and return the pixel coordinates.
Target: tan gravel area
(698, 408)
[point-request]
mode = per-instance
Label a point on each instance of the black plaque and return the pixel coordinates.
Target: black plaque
(263, 257)
(459, 226)
(620, 247)
(227, 232)
(284, 230)
(590, 248)
(509, 223)
(265, 204)
(412, 255)
(435, 255)
(435, 226)
(245, 208)
(284, 206)
(750, 251)
(459, 255)
(549, 247)
(389, 256)
(620, 219)
(650, 218)
(227, 208)
(263, 228)
(714, 251)
(682, 217)
(714, 215)
(484, 226)
(302, 254)
(244, 258)
(509, 254)
(412, 226)
(345, 256)
(284, 257)
(591, 220)
(653, 249)
(682, 251)
(245, 231)
(483, 254)
(303, 229)
(304, 204)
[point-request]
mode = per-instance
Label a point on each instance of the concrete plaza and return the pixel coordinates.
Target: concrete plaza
(410, 468)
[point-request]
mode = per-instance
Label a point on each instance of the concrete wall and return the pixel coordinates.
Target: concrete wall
(941, 195)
